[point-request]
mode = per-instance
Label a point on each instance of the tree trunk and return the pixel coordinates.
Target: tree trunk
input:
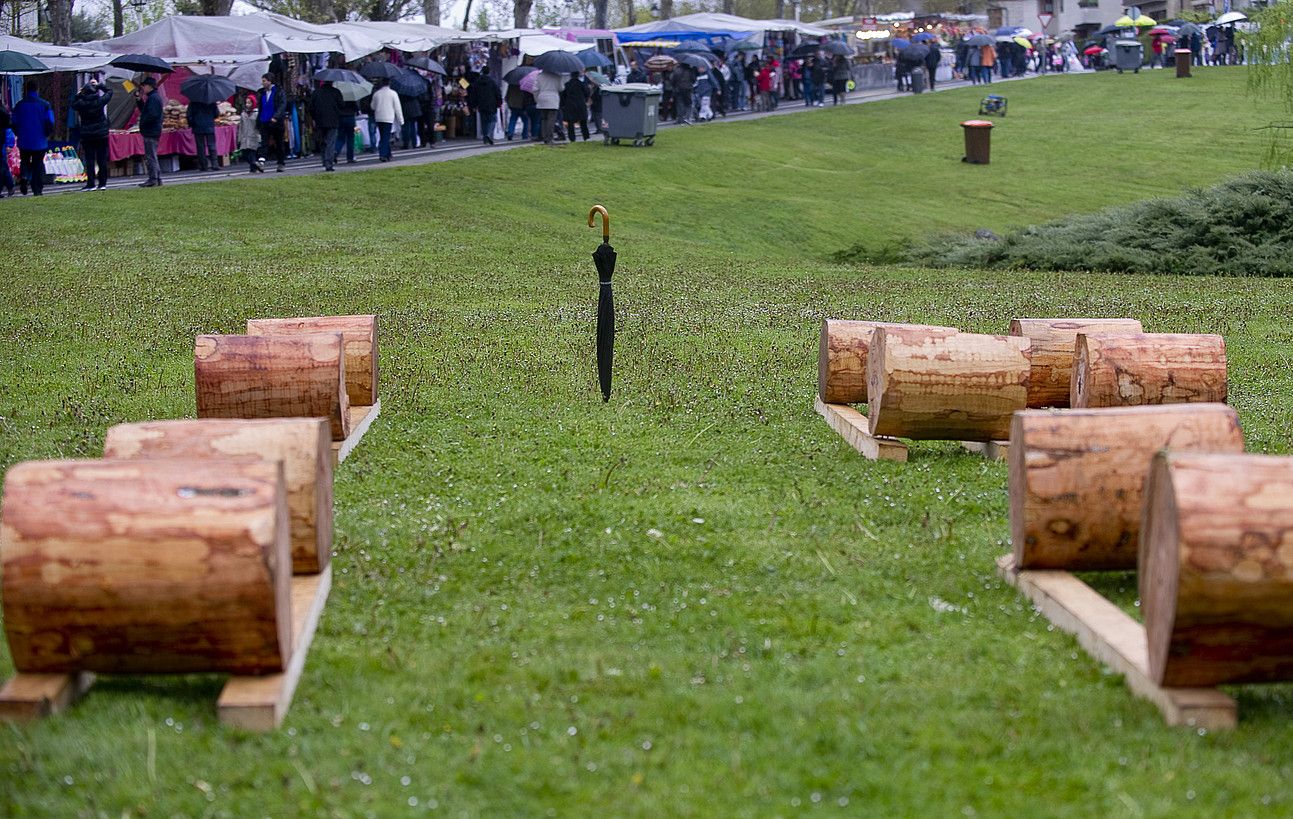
(59, 15)
(1150, 368)
(842, 358)
(273, 377)
(431, 10)
(1216, 577)
(599, 14)
(360, 336)
(521, 13)
(303, 445)
(728, 7)
(666, 9)
(215, 8)
(118, 18)
(1053, 344)
(781, 10)
(631, 13)
(1077, 477)
(945, 385)
(146, 566)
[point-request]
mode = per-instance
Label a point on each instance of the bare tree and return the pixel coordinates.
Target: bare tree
(521, 13)
(599, 14)
(431, 10)
(118, 18)
(666, 9)
(214, 8)
(58, 16)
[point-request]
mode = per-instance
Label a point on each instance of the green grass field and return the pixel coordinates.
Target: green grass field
(696, 600)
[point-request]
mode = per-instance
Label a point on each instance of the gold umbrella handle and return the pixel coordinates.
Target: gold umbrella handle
(606, 221)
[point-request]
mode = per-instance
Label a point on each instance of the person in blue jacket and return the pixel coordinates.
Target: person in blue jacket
(6, 178)
(33, 124)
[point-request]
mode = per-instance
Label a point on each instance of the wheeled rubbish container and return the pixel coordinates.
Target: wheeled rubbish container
(1128, 55)
(630, 112)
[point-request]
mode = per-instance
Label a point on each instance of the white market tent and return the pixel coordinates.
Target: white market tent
(718, 24)
(244, 38)
(58, 58)
(407, 37)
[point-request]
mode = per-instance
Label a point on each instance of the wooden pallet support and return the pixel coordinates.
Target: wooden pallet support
(361, 418)
(28, 697)
(992, 450)
(1111, 636)
(854, 428)
(261, 703)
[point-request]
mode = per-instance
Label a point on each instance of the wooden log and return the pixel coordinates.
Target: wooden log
(1148, 368)
(146, 566)
(303, 445)
(945, 385)
(1077, 477)
(360, 336)
(842, 358)
(1216, 575)
(1053, 343)
(273, 377)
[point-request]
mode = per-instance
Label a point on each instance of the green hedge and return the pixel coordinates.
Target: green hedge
(1242, 227)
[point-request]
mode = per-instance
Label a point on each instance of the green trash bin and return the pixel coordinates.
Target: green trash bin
(630, 112)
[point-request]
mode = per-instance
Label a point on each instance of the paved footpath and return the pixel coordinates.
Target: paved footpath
(459, 148)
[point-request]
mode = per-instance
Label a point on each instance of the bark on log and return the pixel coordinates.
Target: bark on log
(1053, 344)
(1148, 368)
(273, 377)
(360, 335)
(303, 445)
(1077, 477)
(945, 385)
(146, 566)
(842, 358)
(1216, 576)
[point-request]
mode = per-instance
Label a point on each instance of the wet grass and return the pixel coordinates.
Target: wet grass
(695, 600)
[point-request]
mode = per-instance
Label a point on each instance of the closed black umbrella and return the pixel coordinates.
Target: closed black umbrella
(379, 71)
(428, 64)
(208, 88)
(142, 62)
(514, 76)
(558, 62)
(604, 258)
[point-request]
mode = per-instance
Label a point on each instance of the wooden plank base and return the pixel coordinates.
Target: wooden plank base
(361, 418)
(260, 703)
(853, 427)
(27, 697)
(1111, 636)
(253, 703)
(992, 450)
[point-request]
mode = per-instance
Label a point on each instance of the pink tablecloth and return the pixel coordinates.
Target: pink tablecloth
(124, 146)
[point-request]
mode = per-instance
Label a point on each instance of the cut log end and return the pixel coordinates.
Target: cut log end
(1158, 561)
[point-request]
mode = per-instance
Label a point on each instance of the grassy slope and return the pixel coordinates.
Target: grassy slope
(695, 600)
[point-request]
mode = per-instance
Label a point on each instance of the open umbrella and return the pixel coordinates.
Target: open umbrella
(899, 43)
(604, 258)
(661, 62)
(353, 91)
(836, 47)
(694, 60)
(530, 82)
(806, 50)
(915, 53)
(1124, 22)
(693, 47)
(1145, 21)
(409, 83)
(1231, 17)
(559, 62)
(1093, 50)
(379, 71)
(924, 37)
(591, 58)
(428, 64)
(744, 45)
(514, 76)
(339, 75)
(142, 62)
(980, 40)
(598, 77)
(1023, 42)
(1107, 30)
(1189, 30)
(15, 62)
(208, 88)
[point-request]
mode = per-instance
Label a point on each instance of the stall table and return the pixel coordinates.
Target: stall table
(126, 145)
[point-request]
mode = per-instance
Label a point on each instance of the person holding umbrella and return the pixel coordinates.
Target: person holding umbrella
(33, 123)
(484, 97)
(932, 59)
(325, 110)
(547, 96)
(574, 106)
(149, 103)
(388, 114)
(273, 113)
(202, 117)
(90, 105)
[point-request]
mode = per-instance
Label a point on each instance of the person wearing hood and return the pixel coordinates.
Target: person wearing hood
(484, 97)
(90, 106)
(6, 177)
(33, 124)
(574, 106)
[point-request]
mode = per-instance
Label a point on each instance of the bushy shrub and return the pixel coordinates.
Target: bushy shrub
(1242, 227)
